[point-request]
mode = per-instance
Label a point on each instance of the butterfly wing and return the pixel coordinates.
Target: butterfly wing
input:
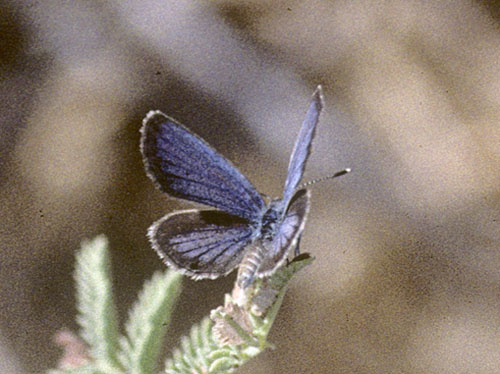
(184, 166)
(287, 235)
(201, 243)
(302, 146)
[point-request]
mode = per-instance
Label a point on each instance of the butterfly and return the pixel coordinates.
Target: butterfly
(244, 230)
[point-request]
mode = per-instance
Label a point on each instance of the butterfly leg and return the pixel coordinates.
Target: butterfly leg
(297, 250)
(297, 247)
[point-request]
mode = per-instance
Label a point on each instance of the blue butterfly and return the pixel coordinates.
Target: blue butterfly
(245, 230)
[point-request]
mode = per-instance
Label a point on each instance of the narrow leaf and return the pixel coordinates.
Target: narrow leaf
(148, 322)
(97, 315)
(194, 355)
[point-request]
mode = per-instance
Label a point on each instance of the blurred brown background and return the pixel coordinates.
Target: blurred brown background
(407, 247)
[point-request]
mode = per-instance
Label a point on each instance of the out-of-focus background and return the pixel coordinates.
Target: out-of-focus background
(407, 246)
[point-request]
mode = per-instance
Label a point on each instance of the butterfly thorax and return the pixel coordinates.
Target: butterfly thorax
(271, 219)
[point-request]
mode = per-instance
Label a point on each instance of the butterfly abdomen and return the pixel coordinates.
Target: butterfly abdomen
(253, 259)
(250, 265)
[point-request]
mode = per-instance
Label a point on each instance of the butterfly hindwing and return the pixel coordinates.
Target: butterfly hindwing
(201, 243)
(185, 166)
(287, 234)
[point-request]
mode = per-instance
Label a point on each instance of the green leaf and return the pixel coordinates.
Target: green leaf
(97, 315)
(223, 365)
(194, 355)
(148, 322)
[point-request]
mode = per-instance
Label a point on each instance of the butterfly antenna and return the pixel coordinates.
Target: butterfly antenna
(337, 174)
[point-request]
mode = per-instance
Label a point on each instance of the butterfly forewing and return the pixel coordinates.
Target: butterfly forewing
(201, 243)
(302, 146)
(184, 166)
